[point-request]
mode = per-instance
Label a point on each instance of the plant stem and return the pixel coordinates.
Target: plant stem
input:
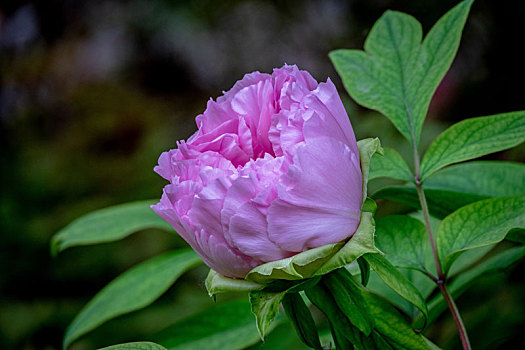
(455, 313)
(426, 216)
(441, 278)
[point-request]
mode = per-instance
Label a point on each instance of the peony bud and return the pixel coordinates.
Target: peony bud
(272, 171)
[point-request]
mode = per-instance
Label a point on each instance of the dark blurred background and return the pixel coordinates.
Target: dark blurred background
(93, 91)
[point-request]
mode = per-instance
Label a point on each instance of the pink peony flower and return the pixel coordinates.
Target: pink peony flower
(273, 170)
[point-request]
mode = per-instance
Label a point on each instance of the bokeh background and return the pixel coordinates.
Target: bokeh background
(93, 91)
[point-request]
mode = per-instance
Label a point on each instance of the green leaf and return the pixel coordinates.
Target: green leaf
(517, 235)
(350, 302)
(440, 202)
(302, 320)
(109, 224)
(224, 326)
(364, 269)
(135, 346)
(397, 75)
(396, 280)
(459, 285)
(482, 178)
(133, 290)
(404, 240)
(265, 307)
(345, 335)
(478, 224)
(390, 323)
(391, 165)
(454, 187)
(472, 138)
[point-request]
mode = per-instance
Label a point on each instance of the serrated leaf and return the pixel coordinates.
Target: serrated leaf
(397, 75)
(460, 284)
(133, 290)
(404, 240)
(135, 346)
(109, 224)
(225, 326)
(396, 281)
(301, 318)
(478, 224)
(391, 165)
(472, 138)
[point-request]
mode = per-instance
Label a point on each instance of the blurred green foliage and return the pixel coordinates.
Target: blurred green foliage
(92, 92)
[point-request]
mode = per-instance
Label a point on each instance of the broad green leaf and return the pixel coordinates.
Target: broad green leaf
(482, 178)
(440, 202)
(135, 346)
(301, 318)
(349, 302)
(422, 282)
(391, 165)
(458, 185)
(133, 290)
(404, 240)
(224, 326)
(462, 282)
(478, 224)
(109, 224)
(396, 280)
(397, 74)
(265, 307)
(390, 323)
(472, 138)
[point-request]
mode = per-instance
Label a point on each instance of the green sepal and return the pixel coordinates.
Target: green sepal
(217, 283)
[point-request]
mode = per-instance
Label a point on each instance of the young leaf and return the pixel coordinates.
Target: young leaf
(109, 224)
(478, 224)
(265, 307)
(395, 280)
(472, 138)
(224, 326)
(404, 240)
(133, 290)
(364, 268)
(301, 318)
(397, 75)
(391, 165)
(135, 346)
(459, 285)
